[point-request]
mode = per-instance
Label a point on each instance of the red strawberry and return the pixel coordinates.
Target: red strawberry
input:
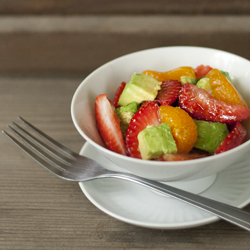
(169, 92)
(233, 139)
(118, 93)
(202, 71)
(108, 125)
(201, 105)
(147, 115)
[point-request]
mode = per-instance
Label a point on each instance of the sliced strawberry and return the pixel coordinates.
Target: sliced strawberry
(108, 125)
(118, 93)
(147, 115)
(169, 92)
(202, 71)
(233, 139)
(202, 106)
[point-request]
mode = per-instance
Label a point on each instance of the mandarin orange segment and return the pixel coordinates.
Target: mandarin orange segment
(174, 74)
(223, 90)
(182, 125)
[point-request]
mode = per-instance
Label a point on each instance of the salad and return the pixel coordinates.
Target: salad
(182, 114)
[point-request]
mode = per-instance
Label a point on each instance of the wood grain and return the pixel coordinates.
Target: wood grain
(41, 212)
(69, 7)
(75, 46)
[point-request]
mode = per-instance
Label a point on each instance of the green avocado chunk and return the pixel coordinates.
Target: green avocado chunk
(125, 115)
(140, 88)
(204, 83)
(154, 141)
(210, 135)
(189, 79)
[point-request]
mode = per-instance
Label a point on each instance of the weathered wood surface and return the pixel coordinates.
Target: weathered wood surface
(41, 212)
(77, 45)
(68, 7)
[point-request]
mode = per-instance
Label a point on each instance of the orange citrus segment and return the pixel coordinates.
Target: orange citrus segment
(223, 90)
(182, 125)
(174, 74)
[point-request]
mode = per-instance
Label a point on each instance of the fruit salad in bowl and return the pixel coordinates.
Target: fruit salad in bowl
(168, 114)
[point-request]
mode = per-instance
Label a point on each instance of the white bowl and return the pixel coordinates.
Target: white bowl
(108, 77)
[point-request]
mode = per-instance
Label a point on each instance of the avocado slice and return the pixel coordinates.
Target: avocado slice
(140, 88)
(125, 115)
(154, 141)
(189, 79)
(210, 135)
(204, 83)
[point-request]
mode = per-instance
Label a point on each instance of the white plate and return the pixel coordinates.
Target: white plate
(137, 205)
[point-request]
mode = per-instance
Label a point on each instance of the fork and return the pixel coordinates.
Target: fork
(68, 165)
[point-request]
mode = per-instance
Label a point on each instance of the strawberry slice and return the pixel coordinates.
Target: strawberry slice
(147, 115)
(202, 106)
(169, 92)
(202, 71)
(108, 125)
(233, 139)
(118, 93)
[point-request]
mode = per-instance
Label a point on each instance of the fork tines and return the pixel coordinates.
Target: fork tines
(40, 151)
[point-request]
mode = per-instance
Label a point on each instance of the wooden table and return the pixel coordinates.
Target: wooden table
(71, 38)
(40, 211)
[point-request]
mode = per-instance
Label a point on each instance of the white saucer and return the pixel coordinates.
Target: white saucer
(137, 205)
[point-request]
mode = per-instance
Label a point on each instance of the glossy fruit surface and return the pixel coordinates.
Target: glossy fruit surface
(169, 92)
(234, 139)
(118, 93)
(202, 106)
(223, 90)
(202, 70)
(147, 115)
(108, 125)
(182, 125)
(174, 74)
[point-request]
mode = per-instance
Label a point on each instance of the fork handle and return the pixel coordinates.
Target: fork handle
(229, 213)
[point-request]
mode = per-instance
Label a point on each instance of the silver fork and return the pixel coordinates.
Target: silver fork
(71, 166)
